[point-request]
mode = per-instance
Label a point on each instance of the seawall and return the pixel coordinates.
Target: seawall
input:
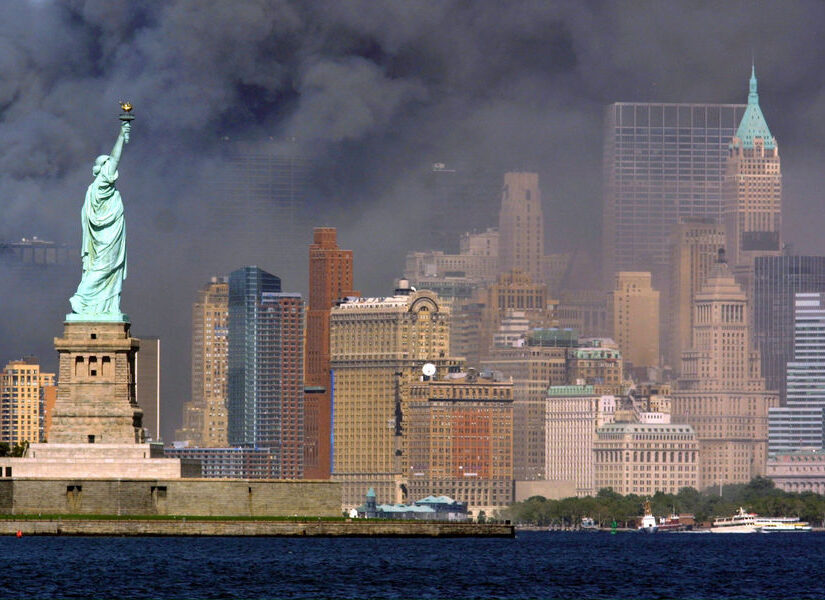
(194, 527)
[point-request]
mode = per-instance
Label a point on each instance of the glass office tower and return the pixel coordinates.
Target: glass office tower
(662, 162)
(776, 280)
(266, 368)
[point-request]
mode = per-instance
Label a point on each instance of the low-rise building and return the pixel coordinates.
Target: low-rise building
(645, 458)
(229, 463)
(431, 508)
(799, 471)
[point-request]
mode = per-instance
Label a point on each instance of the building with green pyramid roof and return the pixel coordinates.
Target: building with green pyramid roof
(752, 192)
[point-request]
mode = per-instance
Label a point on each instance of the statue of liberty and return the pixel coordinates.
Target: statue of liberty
(103, 249)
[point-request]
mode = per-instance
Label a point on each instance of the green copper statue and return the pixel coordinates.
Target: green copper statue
(103, 250)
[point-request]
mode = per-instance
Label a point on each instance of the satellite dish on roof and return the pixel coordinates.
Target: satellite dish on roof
(428, 369)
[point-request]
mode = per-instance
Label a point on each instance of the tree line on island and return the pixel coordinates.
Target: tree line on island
(760, 495)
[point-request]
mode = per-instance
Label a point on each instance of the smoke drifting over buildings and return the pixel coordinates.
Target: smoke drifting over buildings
(371, 94)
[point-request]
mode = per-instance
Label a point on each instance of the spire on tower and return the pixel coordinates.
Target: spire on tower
(753, 123)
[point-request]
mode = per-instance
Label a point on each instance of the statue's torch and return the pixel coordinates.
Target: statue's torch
(126, 116)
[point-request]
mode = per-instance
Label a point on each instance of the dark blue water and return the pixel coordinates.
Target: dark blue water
(534, 565)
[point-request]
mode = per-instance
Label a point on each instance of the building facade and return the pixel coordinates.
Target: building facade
(512, 291)
(377, 346)
(458, 441)
(266, 368)
(662, 162)
(720, 392)
(147, 385)
(645, 458)
(229, 463)
(22, 397)
(330, 279)
(542, 361)
(521, 225)
(799, 423)
(633, 318)
(694, 247)
(798, 472)
(574, 413)
(205, 417)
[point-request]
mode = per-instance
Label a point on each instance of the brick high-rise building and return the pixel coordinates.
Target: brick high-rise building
(752, 192)
(22, 386)
(266, 368)
(521, 225)
(694, 247)
(205, 415)
(721, 392)
(330, 279)
(458, 440)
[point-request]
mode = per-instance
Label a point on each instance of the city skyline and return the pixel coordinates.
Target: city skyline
(536, 106)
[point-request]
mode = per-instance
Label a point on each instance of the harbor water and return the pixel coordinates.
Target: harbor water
(535, 564)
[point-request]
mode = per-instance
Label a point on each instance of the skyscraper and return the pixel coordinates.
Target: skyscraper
(330, 279)
(147, 385)
(266, 368)
(22, 387)
(694, 247)
(633, 318)
(205, 415)
(521, 226)
(662, 162)
(752, 192)
(799, 424)
(573, 414)
(721, 392)
(377, 346)
(776, 280)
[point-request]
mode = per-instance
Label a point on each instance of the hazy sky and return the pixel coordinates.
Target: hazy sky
(382, 90)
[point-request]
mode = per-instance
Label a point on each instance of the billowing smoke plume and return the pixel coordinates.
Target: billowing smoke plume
(373, 93)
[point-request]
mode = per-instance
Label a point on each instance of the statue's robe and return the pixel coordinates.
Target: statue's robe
(103, 249)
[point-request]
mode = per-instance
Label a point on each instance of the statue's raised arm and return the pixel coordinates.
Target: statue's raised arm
(117, 149)
(103, 248)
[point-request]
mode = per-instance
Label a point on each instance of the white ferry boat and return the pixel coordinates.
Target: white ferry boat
(781, 525)
(744, 522)
(741, 522)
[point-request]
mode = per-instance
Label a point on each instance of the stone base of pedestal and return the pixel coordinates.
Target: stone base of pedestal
(90, 461)
(96, 386)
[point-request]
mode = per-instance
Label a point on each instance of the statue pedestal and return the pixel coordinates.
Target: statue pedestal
(96, 386)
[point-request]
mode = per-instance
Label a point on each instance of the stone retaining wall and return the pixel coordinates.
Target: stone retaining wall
(184, 497)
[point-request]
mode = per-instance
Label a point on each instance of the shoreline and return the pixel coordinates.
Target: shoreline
(249, 528)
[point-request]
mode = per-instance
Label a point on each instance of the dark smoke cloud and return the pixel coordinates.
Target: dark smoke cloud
(374, 92)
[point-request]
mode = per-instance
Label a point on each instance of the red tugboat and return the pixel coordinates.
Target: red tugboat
(675, 523)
